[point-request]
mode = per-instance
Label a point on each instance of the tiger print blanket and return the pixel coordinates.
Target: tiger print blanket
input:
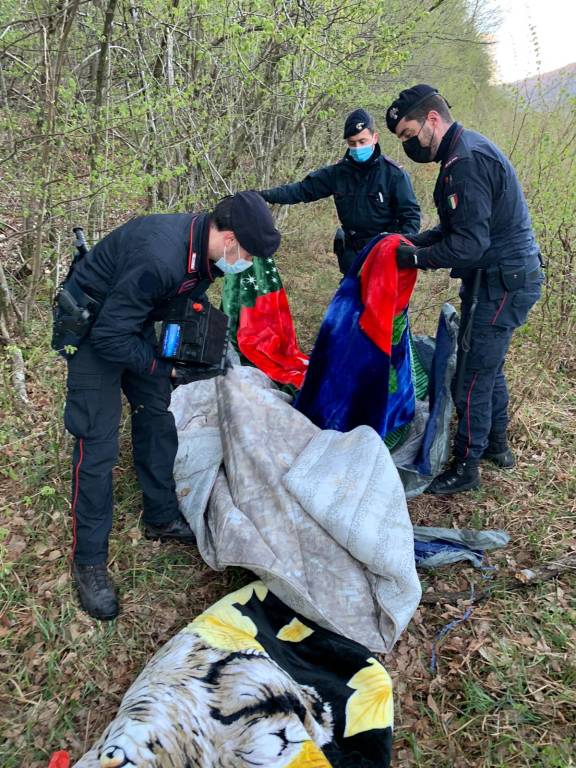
(251, 683)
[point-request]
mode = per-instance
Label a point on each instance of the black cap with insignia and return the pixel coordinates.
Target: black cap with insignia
(405, 103)
(357, 121)
(253, 225)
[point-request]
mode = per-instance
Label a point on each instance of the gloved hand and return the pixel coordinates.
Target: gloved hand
(420, 240)
(184, 374)
(406, 257)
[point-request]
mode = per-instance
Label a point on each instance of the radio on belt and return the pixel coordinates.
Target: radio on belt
(194, 333)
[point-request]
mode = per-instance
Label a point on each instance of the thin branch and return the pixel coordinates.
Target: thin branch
(528, 577)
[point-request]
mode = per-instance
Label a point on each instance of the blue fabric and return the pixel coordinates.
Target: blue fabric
(424, 550)
(435, 547)
(350, 380)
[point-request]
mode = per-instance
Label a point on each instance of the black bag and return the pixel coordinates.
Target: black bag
(195, 334)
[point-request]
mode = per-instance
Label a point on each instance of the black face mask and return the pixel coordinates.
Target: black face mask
(416, 151)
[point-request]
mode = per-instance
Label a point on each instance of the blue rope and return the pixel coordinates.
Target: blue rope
(448, 628)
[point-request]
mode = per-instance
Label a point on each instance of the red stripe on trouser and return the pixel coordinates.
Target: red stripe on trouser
(500, 308)
(468, 398)
(75, 499)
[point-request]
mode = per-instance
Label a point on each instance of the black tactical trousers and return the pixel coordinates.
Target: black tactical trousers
(482, 403)
(92, 414)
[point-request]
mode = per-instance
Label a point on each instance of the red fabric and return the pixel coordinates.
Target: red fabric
(385, 291)
(59, 760)
(267, 338)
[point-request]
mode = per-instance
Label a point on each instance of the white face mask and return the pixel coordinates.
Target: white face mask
(233, 269)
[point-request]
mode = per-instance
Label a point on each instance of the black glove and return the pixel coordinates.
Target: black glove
(406, 257)
(188, 373)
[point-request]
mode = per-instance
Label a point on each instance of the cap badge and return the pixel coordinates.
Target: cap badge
(393, 112)
(359, 126)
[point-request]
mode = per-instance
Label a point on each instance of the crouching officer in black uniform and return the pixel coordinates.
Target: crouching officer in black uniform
(372, 193)
(486, 238)
(125, 283)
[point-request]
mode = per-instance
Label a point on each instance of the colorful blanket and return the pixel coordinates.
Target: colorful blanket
(261, 326)
(251, 683)
(363, 369)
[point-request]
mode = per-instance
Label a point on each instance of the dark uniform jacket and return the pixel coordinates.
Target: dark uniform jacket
(133, 273)
(371, 197)
(484, 219)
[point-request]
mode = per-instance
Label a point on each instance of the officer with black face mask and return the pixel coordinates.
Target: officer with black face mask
(372, 193)
(485, 237)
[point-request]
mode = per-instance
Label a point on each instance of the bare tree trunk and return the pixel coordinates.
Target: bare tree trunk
(39, 202)
(150, 165)
(7, 313)
(99, 127)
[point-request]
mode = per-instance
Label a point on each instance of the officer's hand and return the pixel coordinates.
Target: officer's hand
(406, 257)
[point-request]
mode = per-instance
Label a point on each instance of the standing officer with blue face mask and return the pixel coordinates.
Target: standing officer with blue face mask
(372, 193)
(126, 283)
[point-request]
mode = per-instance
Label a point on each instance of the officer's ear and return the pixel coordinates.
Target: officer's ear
(229, 238)
(375, 137)
(434, 118)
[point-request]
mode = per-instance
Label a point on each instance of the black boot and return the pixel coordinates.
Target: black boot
(175, 530)
(96, 590)
(460, 476)
(499, 452)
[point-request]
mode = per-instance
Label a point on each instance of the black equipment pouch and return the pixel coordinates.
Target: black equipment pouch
(501, 280)
(513, 279)
(73, 313)
(195, 334)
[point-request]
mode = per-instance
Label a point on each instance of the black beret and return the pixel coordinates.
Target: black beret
(357, 121)
(405, 103)
(253, 225)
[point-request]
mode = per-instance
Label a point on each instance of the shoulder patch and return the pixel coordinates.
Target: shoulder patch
(391, 161)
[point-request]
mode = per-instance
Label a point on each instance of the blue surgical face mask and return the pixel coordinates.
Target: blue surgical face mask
(233, 269)
(361, 154)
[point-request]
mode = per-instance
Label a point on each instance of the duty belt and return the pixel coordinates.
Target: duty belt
(357, 242)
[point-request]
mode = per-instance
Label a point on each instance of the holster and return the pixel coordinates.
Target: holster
(339, 246)
(73, 313)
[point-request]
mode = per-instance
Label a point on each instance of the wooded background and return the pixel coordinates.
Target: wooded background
(112, 108)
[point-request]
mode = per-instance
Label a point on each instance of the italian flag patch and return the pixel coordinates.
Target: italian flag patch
(453, 201)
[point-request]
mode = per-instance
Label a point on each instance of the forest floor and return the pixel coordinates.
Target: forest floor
(503, 690)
